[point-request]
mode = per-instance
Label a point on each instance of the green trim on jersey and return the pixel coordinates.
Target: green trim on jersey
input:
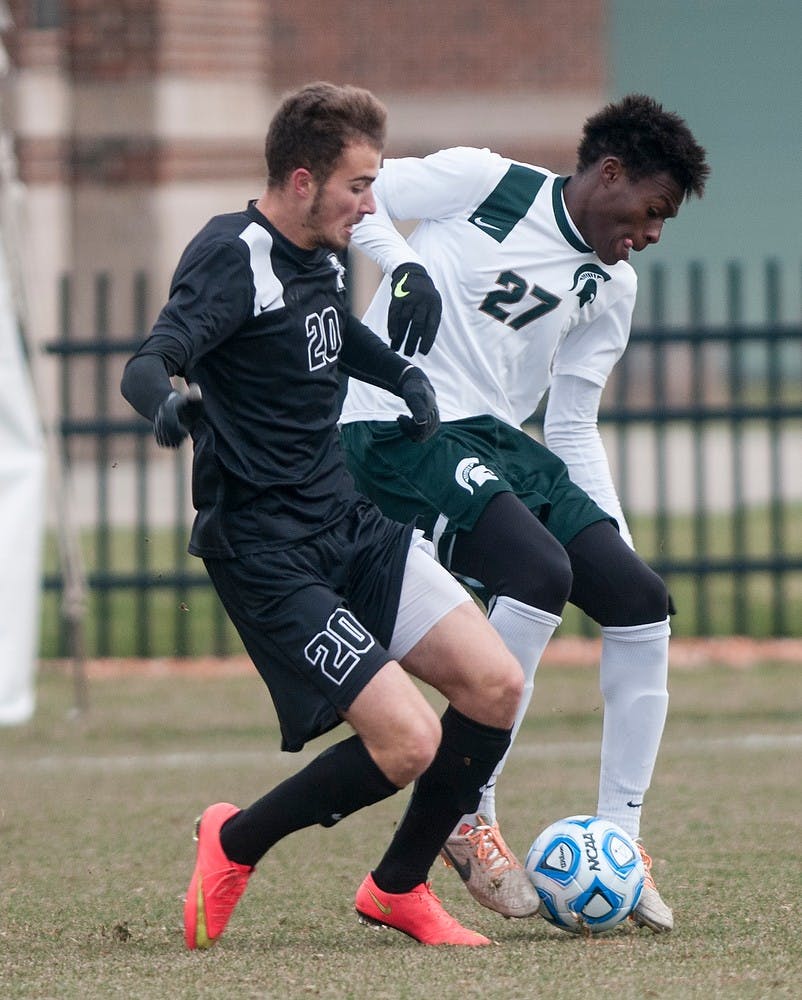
(508, 202)
(562, 219)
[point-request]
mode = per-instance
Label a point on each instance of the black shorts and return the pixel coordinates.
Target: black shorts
(316, 618)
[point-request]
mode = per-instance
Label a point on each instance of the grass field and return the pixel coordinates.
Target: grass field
(96, 816)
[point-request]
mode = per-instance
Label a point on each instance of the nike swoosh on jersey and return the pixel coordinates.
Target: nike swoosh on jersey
(634, 805)
(479, 221)
(463, 869)
(399, 292)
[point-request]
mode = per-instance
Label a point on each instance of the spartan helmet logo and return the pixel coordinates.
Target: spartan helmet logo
(588, 274)
(337, 265)
(470, 472)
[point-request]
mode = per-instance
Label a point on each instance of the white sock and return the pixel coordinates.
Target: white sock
(633, 675)
(526, 632)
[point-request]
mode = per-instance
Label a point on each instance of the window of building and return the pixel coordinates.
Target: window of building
(46, 13)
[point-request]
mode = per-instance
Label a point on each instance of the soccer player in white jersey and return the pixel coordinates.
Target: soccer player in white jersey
(531, 274)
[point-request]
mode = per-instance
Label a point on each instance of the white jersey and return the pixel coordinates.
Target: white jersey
(527, 304)
(524, 298)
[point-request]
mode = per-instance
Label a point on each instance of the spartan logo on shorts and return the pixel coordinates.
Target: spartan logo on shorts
(337, 649)
(470, 472)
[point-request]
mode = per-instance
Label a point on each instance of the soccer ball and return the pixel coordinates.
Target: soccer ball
(588, 873)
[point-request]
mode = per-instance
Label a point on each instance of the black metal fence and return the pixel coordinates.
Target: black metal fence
(704, 423)
(701, 419)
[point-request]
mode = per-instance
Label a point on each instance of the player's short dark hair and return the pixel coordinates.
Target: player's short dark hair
(648, 140)
(313, 125)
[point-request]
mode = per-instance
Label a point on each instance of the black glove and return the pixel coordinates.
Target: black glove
(176, 415)
(415, 309)
(417, 392)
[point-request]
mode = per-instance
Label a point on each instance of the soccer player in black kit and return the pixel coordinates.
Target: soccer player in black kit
(336, 604)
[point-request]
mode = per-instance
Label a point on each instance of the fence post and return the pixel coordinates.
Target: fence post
(776, 513)
(698, 381)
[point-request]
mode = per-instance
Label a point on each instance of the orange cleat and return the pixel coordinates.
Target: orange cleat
(216, 884)
(418, 913)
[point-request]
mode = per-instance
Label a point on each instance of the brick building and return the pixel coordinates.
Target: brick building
(135, 120)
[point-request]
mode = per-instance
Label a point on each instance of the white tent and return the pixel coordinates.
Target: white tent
(22, 466)
(22, 478)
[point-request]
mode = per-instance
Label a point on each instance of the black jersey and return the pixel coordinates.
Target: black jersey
(259, 325)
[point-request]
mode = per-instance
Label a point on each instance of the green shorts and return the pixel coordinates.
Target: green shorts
(446, 483)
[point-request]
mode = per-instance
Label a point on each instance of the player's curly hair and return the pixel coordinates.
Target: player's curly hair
(648, 140)
(313, 125)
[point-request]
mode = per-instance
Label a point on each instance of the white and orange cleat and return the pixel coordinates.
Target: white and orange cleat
(491, 872)
(651, 911)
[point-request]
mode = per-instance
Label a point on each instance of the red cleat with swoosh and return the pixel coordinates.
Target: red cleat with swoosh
(216, 884)
(418, 913)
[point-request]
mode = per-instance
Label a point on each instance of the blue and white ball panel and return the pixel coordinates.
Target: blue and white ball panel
(620, 853)
(559, 860)
(597, 903)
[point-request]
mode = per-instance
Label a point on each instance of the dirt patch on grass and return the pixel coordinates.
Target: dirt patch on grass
(735, 651)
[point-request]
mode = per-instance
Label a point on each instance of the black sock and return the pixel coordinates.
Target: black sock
(339, 781)
(467, 757)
